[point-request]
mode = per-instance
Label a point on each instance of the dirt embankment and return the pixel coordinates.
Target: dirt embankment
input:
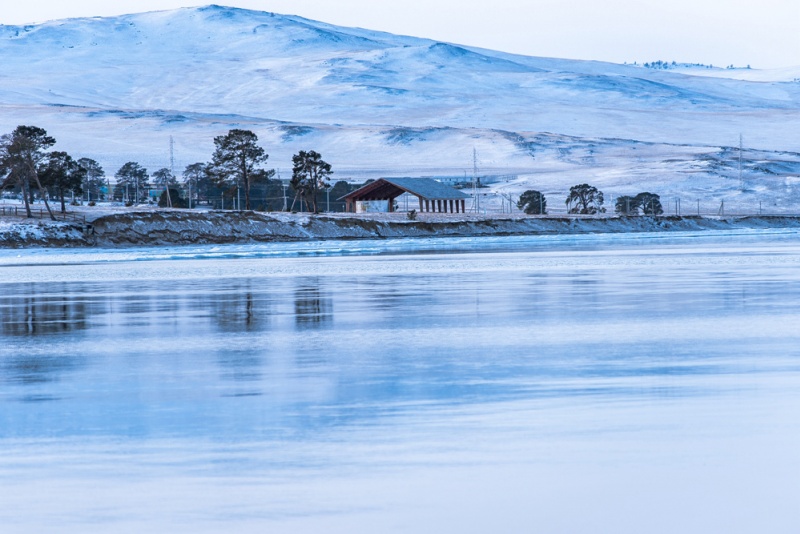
(184, 227)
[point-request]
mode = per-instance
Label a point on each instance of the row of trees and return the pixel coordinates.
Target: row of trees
(237, 165)
(25, 165)
(585, 199)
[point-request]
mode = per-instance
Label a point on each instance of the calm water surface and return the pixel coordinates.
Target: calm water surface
(555, 384)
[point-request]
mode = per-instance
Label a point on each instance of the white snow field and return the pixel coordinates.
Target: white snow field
(376, 104)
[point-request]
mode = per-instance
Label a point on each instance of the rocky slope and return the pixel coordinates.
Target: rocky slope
(183, 228)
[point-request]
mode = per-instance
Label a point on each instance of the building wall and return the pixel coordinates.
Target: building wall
(372, 206)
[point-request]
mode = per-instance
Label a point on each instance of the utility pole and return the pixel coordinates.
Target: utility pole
(741, 178)
(285, 200)
(476, 198)
(171, 170)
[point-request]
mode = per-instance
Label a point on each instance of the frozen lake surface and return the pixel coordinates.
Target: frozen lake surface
(626, 384)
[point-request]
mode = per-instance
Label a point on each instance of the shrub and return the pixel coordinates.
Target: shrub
(533, 202)
(174, 198)
(648, 203)
(626, 206)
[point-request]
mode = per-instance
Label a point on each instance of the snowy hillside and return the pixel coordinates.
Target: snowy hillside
(116, 89)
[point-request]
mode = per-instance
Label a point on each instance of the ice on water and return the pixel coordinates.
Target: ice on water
(632, 383)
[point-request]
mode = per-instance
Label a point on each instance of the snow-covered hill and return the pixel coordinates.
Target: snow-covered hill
(372, 103)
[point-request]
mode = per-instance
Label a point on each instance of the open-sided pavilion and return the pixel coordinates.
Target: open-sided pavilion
(433, 196)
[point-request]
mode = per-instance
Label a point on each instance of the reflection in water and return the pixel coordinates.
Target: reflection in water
(32, 369)
(312, 306)
(237, 312)
(405, 330)
(444, 389)
(58, 312)
(241, 366)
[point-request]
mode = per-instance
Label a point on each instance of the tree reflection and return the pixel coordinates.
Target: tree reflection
(241, 366)
(241, 311)
(311, 305)
(38, 368)
(41, 315)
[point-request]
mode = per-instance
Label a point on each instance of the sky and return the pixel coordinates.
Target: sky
(760, 33)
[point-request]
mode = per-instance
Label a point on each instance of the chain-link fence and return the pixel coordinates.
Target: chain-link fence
(487, 204)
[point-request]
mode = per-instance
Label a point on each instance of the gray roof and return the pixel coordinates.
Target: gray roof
(427, 188)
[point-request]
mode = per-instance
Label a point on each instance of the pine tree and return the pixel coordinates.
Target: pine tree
(310, 175)
(532, 202)
(62, 174)
(21, 153)
(585, 199)
(95, 177)
(132, 179)
(236, 161)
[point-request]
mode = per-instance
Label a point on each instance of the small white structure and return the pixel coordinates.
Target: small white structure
(372, 206)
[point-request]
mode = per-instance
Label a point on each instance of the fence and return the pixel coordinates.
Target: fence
(493, 203)
(19, 211)
(489, 204)
(262, 203)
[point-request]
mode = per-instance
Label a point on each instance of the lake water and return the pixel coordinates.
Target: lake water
(626, 384)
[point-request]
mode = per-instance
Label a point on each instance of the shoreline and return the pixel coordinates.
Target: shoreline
(167, 228)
